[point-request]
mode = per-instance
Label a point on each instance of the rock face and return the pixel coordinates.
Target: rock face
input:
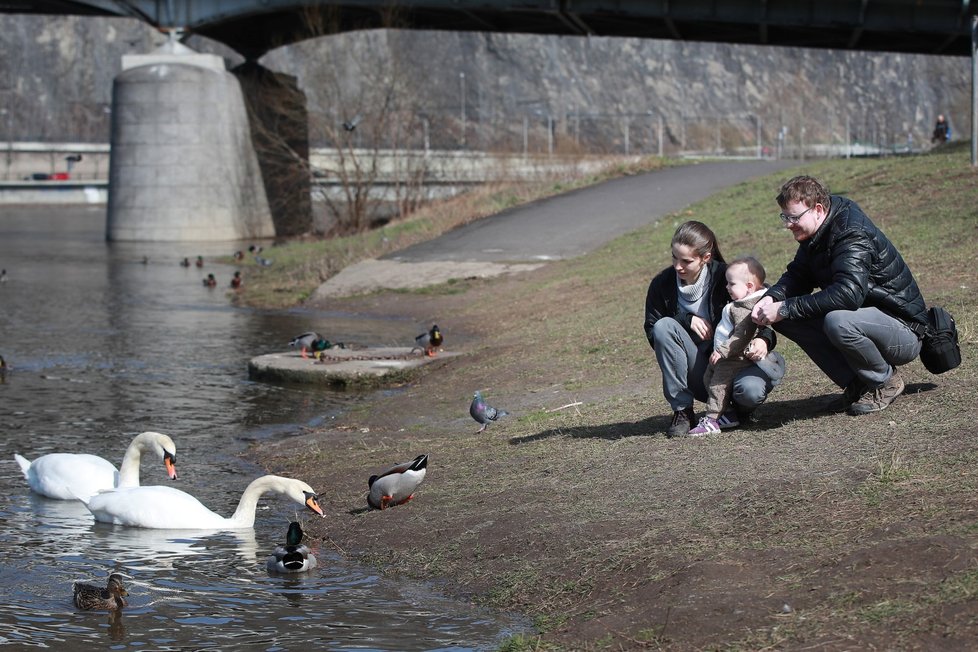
(482, 90)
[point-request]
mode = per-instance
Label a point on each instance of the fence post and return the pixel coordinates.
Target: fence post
(757, 120)
(660, 136)
(526, 135)
(974, 90)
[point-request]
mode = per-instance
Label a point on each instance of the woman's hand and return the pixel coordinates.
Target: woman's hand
(757, 349)
(702, 328)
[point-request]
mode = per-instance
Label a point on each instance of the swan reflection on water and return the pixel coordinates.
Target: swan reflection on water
(147, 549)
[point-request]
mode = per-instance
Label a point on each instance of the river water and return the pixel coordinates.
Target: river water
(104, 341)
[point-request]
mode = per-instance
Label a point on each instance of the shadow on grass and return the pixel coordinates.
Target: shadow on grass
(770, 415)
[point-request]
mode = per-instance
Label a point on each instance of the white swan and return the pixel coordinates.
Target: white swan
(67, 476)
(169, 508)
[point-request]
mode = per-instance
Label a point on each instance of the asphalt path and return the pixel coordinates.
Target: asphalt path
(564, 226)
(580, 221)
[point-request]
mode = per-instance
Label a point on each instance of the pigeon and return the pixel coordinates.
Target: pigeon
(484, 413)
(350, 125)
(311, 341)
(429, 341)
(397, 485)
(293, 557)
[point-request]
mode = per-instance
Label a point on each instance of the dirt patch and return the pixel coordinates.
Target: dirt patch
(374, 275)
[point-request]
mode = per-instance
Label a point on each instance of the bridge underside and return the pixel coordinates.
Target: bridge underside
(252, 27)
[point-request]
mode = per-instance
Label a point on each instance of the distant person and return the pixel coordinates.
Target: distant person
(682, 308)
(731, 342)
(847, 299)
(942, 130)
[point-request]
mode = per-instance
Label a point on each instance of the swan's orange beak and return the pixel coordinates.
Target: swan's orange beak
(313, 504)
(170, 462)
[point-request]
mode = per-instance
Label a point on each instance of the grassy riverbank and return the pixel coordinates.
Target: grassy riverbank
(812, 529)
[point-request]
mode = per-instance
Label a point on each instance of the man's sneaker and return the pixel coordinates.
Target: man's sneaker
(878, 398)
(728, 419)
(682, 420)
(850, 394)
(706, 426)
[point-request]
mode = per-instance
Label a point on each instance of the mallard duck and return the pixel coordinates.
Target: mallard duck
(95, 598)
(429, 341)
(483, 412)
(236, 280)
(185, 262)
(199, 262)
(293, 557)
(169, 508)
(68, 476)
(397, 484)
(311, 342)
(210, 281)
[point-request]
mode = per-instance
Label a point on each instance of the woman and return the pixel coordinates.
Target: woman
(683, 306)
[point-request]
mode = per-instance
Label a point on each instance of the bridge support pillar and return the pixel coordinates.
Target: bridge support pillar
(183, 167)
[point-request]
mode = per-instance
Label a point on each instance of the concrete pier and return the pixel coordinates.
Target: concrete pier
(369, 367)
(183, 166)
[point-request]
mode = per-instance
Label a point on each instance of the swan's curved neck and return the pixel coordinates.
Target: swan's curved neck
(244, 515)
(129, 469)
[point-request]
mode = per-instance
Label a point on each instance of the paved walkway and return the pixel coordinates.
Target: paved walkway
(559, 227)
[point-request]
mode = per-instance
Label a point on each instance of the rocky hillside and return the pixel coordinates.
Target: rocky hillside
(508, 91)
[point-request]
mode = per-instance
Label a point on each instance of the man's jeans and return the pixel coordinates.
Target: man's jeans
(848, 344)
(683, 365)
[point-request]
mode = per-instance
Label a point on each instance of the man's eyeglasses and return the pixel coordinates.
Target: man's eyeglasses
(794, 219)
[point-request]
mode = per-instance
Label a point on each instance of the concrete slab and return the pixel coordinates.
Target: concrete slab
(344, 367)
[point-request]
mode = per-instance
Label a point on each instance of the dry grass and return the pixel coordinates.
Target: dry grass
(812, 530)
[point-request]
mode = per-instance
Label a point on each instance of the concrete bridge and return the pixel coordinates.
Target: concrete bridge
(184, 166)
(252, 27)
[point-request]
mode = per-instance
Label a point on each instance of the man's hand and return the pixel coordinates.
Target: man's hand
(702, 328)
(715, 357)
(765, 312)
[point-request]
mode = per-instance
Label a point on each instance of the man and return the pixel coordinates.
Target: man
(847, 299)
(942, 131)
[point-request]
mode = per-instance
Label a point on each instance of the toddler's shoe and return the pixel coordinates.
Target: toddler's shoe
(729, 419)
(706, 426)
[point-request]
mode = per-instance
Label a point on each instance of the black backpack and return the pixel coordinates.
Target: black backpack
(940, 351)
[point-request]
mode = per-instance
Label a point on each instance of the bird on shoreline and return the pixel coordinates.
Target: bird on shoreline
(483, 412)
(95, 598)
(293, 557)
(429, 341)
(397, 485)
(311, 342)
